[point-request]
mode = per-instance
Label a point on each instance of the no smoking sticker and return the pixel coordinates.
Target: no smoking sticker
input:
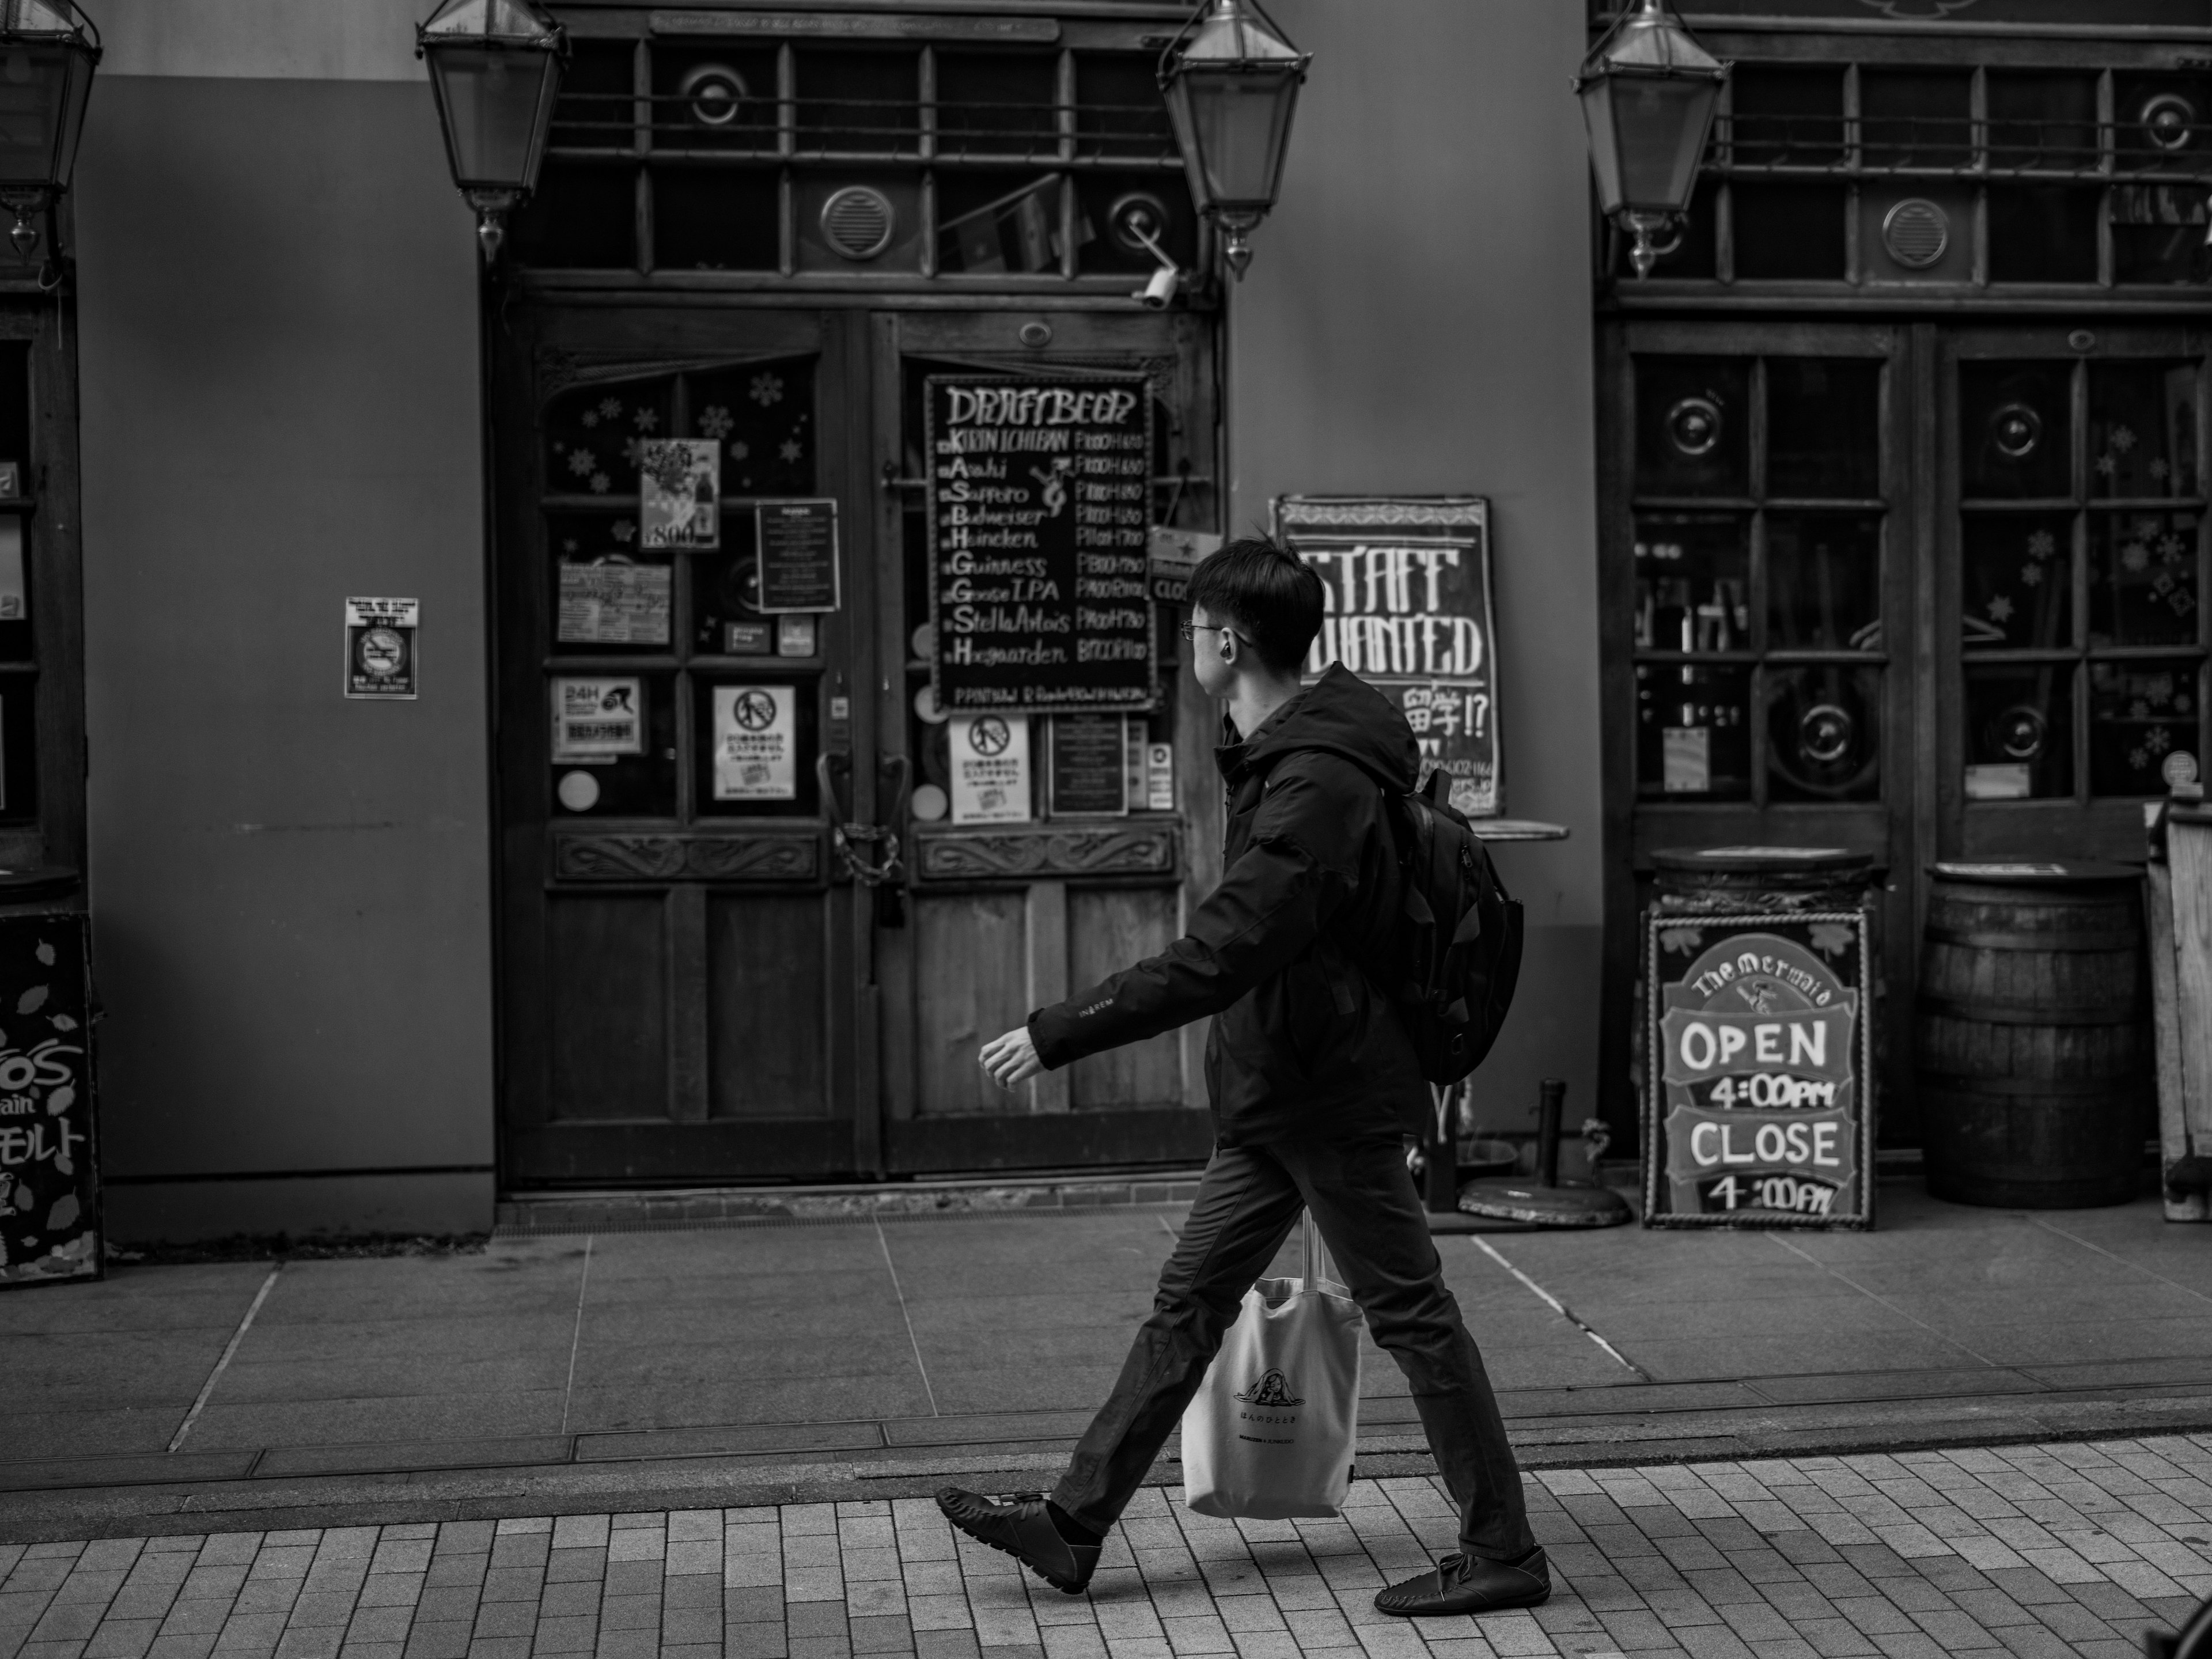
(379, 637)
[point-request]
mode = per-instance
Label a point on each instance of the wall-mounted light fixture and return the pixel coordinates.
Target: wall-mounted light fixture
(495, 69)
(48, 51)
(1649, 91)
(1231, 80)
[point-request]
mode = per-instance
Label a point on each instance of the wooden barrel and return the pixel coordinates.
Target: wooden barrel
(2033, 1041)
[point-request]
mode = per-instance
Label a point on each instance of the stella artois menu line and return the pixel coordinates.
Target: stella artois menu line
(1038, 504)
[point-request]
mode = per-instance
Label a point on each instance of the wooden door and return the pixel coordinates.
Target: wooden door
(1005, 918)
(1760, 630)
(2073, 521)
(682, 976)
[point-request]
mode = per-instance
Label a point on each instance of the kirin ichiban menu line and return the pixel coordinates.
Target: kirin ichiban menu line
(1039, 504)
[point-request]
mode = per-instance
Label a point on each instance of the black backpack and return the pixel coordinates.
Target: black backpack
(1454, 952)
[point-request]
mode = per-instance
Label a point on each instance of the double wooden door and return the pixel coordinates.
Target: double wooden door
(701, 980)
(1916, 590)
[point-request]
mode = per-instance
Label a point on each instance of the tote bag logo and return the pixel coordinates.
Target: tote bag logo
(1271, 1389)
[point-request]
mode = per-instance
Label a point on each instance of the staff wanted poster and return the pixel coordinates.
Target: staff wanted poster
(597, 721)
(679, 490)
(990, 757)
(755, 743)
(379, 637)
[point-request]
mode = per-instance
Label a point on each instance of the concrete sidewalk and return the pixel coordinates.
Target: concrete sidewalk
(675, 1369)
(2030, 1552)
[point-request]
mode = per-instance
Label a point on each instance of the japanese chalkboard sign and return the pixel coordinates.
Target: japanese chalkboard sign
(50, 1222)
(1758, 1070)
(1407, 606)
(1038, 509)
(798, 552)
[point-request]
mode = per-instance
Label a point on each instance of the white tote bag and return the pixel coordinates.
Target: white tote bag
(1269, 1434)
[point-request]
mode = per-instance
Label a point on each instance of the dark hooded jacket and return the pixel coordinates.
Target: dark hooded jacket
(1301, 1041)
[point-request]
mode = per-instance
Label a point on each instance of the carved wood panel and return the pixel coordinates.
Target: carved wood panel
(649, 857)
(1146, 849)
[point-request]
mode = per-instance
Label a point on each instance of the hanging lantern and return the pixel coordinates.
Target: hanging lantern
(1231, 80)
(496, 70)
(48, 51)
(1649, 91)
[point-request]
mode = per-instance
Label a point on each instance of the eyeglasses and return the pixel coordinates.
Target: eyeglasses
(1188, 628)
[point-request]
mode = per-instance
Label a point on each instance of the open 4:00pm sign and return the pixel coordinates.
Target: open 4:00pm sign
(1759, 1075)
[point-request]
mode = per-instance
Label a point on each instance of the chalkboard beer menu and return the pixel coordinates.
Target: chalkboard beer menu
(1758, 1070)
(1039, 497)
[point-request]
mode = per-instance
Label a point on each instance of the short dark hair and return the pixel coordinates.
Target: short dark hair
(1266, 594)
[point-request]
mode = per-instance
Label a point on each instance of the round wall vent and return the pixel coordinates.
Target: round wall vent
(857, 221)
(1915, 232)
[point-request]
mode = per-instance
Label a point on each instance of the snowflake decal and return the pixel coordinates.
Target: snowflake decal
(2183, 602)
(601, 484)
(2158, 469)
(624, 531)
(2160, 689)
(2030, 575)
(2042, 544)
(2138, 710)
(581, 461)
(715, 422)
(766, 389)
(2106, 464)
(634, 450)
(646, 419)
(567, 544)
(2135, 557)
(610, 407)
(740, 449)
(2169, 549)
(2001, 608)
(2162, 583)
(2158, 740)
(2123, 439)
(590, 418)
(789, 449)
(2138, 759)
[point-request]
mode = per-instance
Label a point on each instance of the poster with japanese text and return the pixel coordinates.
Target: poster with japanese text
(613, 602)
(1407, 606)
(755, 743)
(379, 635)
(50, 1217)
(679, 490)
(1759, 1071)
(597, 721)
(990, 760)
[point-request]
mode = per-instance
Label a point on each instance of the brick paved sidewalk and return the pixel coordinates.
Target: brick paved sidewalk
(2030, 1550)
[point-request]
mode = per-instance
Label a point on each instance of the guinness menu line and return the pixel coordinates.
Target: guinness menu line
(1038, 502)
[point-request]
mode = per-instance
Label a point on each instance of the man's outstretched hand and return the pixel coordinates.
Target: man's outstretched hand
(1011, 1058)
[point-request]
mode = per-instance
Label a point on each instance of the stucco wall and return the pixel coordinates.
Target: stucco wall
(1417, 318)
(291, 891)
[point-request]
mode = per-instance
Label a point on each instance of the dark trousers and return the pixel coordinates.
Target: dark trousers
(1363, 1199)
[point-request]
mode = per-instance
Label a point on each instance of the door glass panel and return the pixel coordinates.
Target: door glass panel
(2015, 429)
(2018, 587)
(613, 751)
(1693, 732)
(763, 414)
(592, 432)
(1790, 233)
(1918, 120)
(1823, 582)
(1823, 428)
(2020, 724)
(1789, 117)
(1693, 426)
(608, 597)
(1692, 579)
(2042, 120)
(2139, 714)
(754, 741)
(2143, 579)
(2142, 430)
(2043, 233)
(1823, 733)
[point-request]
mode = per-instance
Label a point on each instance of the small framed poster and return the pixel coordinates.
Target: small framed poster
(990, 763)
(614, 602)
(679, 493)
(1089, 774)
(379, 637)
(597, 721)
(797, 542)
(1758, 1070)
(50, 1211)
(755, 743)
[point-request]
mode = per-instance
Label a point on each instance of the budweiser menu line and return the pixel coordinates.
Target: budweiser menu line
(1038, 505)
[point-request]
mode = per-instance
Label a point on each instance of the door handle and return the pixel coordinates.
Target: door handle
(869, 853)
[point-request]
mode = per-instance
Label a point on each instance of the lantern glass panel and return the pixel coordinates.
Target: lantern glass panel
(1238, 126)
(34, 104)
(495, 100)
(1649, 132)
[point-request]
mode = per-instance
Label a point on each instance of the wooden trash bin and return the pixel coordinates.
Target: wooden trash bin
(2031, 1035)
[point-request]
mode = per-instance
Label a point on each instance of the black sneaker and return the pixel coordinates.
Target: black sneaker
(1020, 1528)
(1468, 1584)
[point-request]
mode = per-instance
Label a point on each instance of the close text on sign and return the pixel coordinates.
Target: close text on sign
(1038, 503)
(1407, 606)
(1759, 1104)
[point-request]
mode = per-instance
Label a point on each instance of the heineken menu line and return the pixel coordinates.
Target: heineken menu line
(1038, 504)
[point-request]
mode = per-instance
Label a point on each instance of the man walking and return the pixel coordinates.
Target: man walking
(1312, 1081)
